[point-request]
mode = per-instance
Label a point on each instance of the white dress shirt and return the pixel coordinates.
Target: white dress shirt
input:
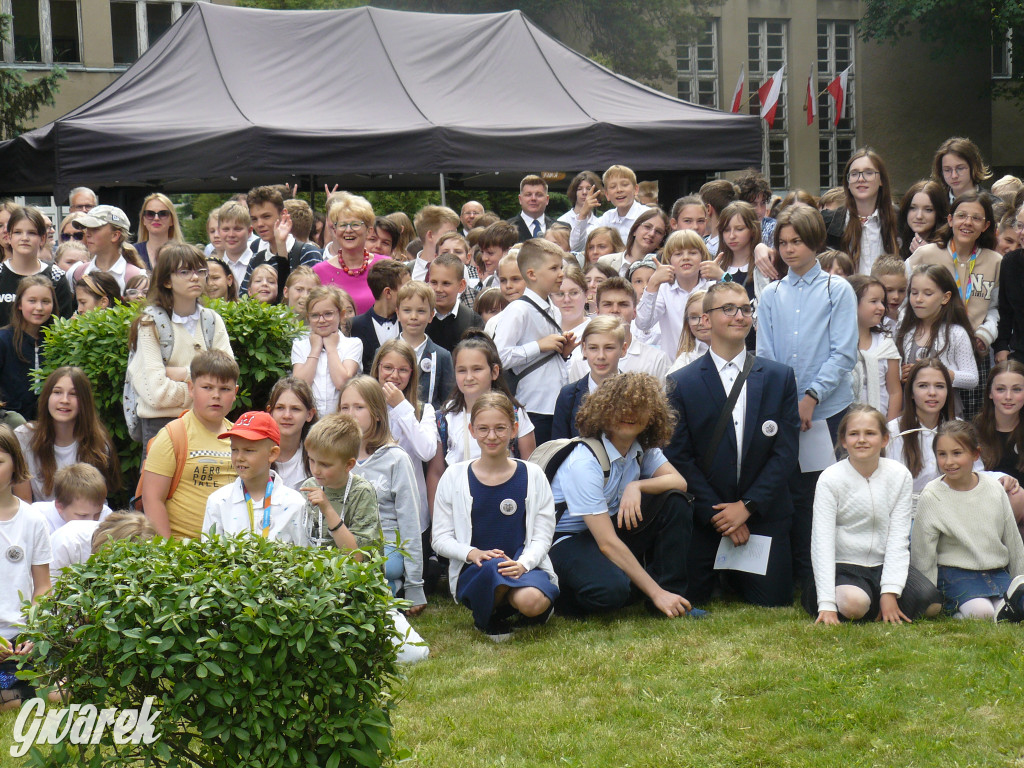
(530, 222)
(517, 337)
(238, 268)
(667, 309)
(729, 371)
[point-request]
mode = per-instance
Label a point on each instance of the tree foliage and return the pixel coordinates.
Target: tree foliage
(634, 39)
(20, 101)
(953, 29)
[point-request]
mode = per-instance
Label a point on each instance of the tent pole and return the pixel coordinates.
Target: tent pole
(443, 198)
(312, 191)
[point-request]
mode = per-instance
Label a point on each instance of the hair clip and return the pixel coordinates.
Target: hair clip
(726, 278)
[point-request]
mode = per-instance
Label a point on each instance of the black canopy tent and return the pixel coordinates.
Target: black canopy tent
(370, 98)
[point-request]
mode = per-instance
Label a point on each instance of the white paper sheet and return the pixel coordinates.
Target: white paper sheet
(816, 449)
(751, 557)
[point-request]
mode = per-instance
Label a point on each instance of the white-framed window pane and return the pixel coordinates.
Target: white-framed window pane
(766, 51)
(123, 28)
(697, 68)
(158, 20)
(64, 31)
(28, 43)
(836, 142)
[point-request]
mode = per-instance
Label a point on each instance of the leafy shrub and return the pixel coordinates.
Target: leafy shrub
(257, 654)
(97, 342)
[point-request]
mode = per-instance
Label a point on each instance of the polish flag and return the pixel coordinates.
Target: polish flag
(837, 89)
(769, 96)
(737, 95)
(812, 99)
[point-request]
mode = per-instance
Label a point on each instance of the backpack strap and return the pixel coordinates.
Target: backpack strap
(208, 322)
(164, 330)
(179, 444)
(535, 305)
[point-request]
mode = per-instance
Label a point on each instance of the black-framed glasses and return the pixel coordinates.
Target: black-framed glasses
(730, 310)
(868, 175)
(76, 235)
(157, 214)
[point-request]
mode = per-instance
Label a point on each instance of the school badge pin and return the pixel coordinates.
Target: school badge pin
(769, 428)
(508, 507)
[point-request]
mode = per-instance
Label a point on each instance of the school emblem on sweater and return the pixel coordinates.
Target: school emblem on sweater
(426, 365)
(508, 507)
(15, 554)
(769, 428)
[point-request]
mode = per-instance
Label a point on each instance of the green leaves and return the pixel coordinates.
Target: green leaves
(167, 619)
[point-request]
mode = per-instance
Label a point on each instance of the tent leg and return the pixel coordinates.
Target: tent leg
(312, 191)
(444, 200)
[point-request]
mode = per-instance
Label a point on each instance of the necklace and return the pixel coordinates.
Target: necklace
(358, 270)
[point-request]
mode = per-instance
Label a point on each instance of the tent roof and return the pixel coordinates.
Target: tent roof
(228, 94)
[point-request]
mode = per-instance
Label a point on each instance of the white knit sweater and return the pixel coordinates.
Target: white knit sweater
(861, 521)
(974, 530)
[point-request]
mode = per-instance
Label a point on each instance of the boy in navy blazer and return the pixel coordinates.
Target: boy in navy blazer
(603, 345)
(737, 492)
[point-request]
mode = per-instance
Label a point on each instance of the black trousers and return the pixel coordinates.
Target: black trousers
(775, 588)
(541, 426)
(591, 583)
(801, 488)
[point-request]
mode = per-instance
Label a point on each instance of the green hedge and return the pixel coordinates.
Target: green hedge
(97, 342)
(257, 653)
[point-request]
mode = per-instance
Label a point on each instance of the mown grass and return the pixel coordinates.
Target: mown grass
(744, 687)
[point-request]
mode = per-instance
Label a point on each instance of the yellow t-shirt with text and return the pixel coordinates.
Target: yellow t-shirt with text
(207, 468)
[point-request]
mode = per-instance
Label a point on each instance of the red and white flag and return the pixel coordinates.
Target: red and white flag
(837, 89)
(769, 96)
(812, 99)
(737, 95)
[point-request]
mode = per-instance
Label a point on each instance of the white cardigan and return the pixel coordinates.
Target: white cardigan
(453, 526)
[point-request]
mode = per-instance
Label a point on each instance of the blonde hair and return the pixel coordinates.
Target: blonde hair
(496, 401)
(330, 292)
(174, 235)
(401, 347)
(123, 524)
(337, 435)
(79, 481)
(687, 341)
(369, 389)
(415, 288)
(233, 212)
(618, 171)
(610, 325)
(345, 205)
(429, 218)
(301, 272)
(683, 240)
(534, 253)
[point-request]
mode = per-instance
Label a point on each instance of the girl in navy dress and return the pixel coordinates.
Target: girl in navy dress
(494, 518)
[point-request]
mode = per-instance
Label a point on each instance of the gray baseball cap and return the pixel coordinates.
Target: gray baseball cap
(102, 215)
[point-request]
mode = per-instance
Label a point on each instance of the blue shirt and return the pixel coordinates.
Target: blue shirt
(580, 483)
(809, 323)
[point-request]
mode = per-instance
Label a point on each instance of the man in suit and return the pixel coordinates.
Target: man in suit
(533, 200)
(742, 489)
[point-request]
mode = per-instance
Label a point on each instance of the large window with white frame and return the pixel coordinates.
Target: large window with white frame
(766, 53)
(136, 24)
(697, 67)
(43, 32)
(836, 41)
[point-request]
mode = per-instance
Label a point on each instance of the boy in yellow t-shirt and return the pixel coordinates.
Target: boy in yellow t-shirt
(213, 386)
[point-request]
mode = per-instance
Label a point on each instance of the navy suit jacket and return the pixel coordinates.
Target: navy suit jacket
(364, 330)
(570, 398)
(440, 378)
(524, 233)
(767, 461)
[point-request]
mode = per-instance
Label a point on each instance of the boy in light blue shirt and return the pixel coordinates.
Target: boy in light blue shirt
(808, 321)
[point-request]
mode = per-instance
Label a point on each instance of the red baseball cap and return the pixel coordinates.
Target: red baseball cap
(254, 425)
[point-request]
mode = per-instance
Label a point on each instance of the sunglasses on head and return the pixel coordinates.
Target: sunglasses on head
(76, 235)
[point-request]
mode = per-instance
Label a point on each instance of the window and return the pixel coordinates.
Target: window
(1006, 52)
(836, 40)
(44, 31)
(766, 53)
(137, 24)
(697, 68)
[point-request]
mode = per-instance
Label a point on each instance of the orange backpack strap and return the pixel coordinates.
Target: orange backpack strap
(179, 444)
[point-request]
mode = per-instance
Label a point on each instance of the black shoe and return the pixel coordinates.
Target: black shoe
(497, 631)
(1012, 609)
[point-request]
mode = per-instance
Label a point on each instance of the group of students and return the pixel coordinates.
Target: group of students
(430, 402)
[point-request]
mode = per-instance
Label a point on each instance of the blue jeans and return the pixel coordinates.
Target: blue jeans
(958, 585)
(394, 567)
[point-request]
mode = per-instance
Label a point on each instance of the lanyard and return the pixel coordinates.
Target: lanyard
(970, 271)
(266, 508)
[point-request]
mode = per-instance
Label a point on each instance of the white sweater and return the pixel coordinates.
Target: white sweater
(453, 520)
(861, 521)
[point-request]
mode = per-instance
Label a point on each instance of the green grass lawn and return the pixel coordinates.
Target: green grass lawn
(744, 687)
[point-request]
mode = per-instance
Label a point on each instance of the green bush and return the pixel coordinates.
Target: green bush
(257, 654)
(97, 342)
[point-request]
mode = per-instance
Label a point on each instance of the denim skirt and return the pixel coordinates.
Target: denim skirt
(958, 585)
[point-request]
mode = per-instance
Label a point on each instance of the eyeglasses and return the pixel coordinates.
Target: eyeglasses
(868, 175)
(695, 319)
(730, 310)
(559, 295)
(81, 208)
(958, 216)
(958, 170)
(1019, 226)
(156, 214)
(323, 316)
(388, 370)
(77, 235)
(188, 274)
(499, 432)
(353, 225)
(648, 227)
(134, 293)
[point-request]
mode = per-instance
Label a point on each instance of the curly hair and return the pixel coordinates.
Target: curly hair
(637, 392)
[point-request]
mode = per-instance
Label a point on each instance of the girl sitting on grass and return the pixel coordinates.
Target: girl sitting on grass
(493, 519)
(860, 539)
(965, 539)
